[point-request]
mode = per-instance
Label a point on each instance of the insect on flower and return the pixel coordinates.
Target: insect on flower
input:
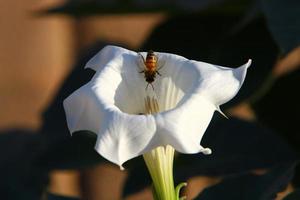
(151, 67)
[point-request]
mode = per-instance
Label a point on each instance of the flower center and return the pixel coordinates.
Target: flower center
(166, 95)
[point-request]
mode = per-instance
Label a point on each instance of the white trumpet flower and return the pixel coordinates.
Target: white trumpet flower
(112, 104)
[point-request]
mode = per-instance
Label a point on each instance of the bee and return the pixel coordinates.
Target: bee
(151, 67)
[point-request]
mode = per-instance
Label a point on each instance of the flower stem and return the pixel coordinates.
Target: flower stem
(159, 162)
(160, 165)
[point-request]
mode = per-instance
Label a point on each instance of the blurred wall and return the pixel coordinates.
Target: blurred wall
(129, 29)
(37, 52)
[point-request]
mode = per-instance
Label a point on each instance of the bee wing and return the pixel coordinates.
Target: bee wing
(140, 62)
(160, 62)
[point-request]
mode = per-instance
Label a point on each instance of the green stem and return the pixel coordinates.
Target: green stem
(159, 162)
(177, 190)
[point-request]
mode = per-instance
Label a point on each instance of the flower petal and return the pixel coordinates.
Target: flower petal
(120, 136)
(107, 55)
(188, 93)
(220, 84)
(184, 127)
(123, 137)
(80, 111)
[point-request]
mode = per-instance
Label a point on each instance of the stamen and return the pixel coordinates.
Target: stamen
(151, 105)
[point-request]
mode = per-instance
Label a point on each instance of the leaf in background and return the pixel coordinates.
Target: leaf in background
(58, 197)
(250, 186)
(75, 153)
(295, 195)
(138, 177)
(81, 8)
(284, 22)
(21, 178)
(280, 108)
(237, 147)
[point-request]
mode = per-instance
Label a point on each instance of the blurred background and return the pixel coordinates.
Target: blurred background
(45, 44)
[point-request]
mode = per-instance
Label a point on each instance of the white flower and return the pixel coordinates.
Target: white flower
(187, 92)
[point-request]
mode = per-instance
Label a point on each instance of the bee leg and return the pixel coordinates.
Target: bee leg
(142, 57)
(148, 85)
(142, 71)
(151, 86)
(157, 71)
(161, 64)
(160, 68)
